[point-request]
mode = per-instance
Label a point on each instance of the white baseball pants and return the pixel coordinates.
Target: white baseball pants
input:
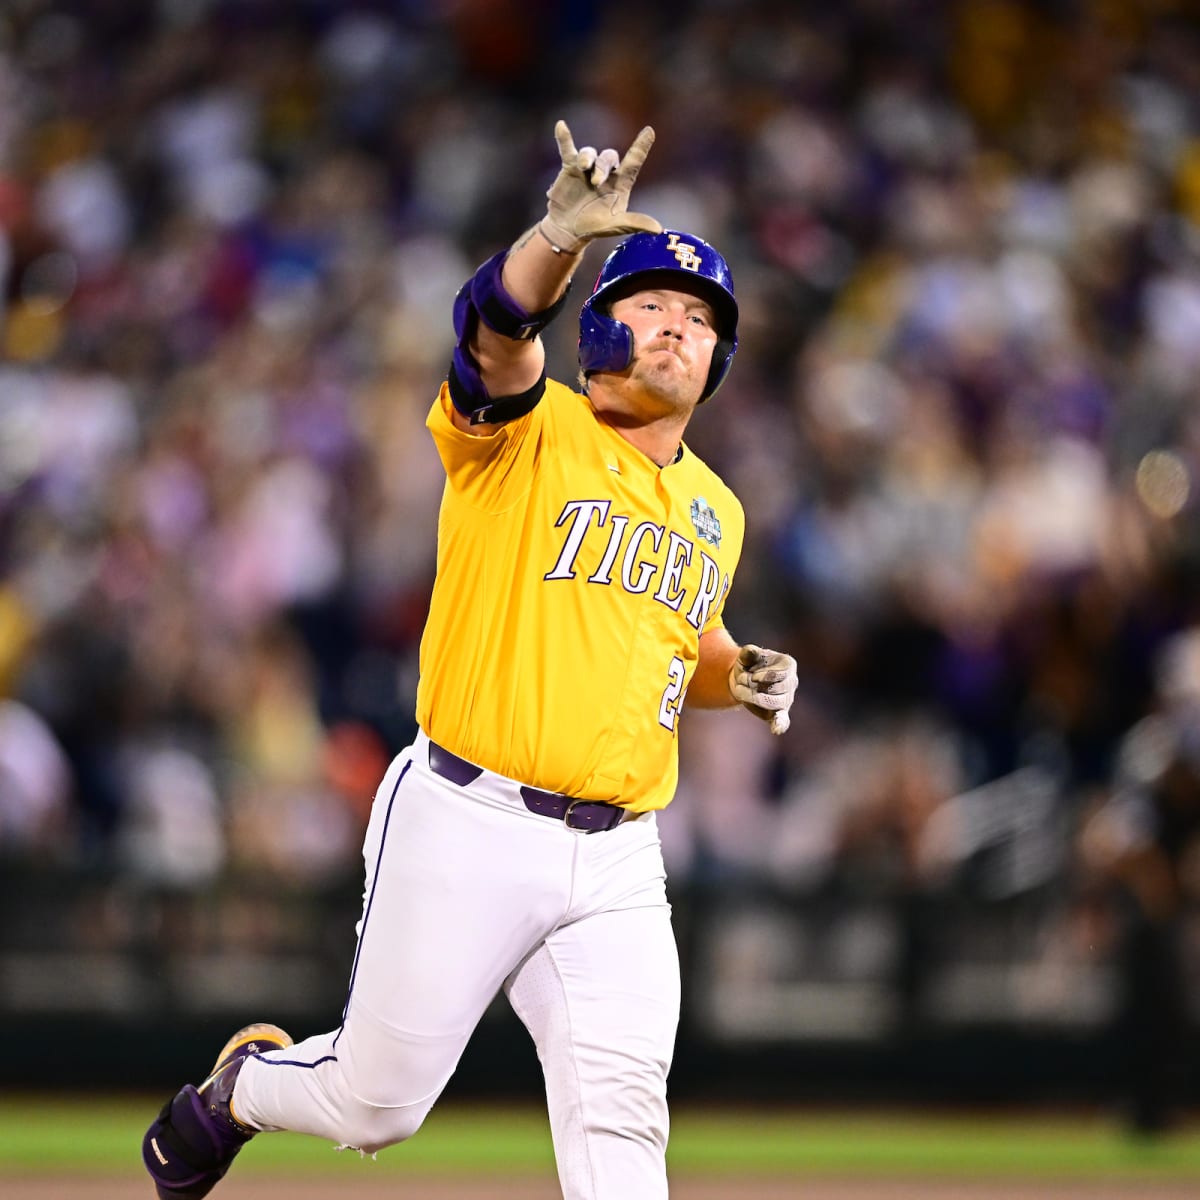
(468, 892)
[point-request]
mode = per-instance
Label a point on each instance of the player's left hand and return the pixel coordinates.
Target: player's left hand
(764, 681)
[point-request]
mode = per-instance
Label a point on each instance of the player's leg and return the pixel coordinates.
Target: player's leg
(601, 999)
(459, 886)
(192, 1143)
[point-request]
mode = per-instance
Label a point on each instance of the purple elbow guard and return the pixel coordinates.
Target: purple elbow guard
(483, 298)
(485, 294)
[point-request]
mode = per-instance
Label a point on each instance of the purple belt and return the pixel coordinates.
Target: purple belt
(592, 816)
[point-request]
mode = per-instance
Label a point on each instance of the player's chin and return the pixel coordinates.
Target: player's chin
(673, 395)
(667, 372)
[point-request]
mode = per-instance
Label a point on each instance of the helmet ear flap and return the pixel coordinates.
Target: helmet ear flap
(722, 360)
(604, 343)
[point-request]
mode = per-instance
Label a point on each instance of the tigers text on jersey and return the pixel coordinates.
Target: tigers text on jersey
(574, 578)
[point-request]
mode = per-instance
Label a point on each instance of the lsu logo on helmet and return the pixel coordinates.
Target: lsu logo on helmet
(688, 259)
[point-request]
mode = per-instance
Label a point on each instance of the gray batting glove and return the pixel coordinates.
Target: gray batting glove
(590, 197)
(764, 681)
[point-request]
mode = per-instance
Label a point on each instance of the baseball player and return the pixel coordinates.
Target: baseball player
(584, 558)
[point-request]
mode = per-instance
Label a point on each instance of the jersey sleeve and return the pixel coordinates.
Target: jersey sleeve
(491, 471)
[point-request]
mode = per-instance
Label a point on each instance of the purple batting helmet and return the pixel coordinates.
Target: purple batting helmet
(677, 261)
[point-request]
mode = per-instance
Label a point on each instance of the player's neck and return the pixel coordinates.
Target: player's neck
(658, 440)
(657, 437)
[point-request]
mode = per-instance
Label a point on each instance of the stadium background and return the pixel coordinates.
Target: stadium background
(963, 420)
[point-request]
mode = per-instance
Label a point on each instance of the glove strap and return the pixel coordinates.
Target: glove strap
(570, 246)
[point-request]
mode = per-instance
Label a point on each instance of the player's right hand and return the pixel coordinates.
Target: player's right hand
(590, 197)
(765, 682)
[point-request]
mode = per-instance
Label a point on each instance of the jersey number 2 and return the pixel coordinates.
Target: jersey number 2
(668, 708)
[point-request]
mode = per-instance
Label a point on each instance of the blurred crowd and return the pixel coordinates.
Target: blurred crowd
(964, 418)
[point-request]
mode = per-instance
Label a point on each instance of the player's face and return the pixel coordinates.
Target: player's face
(674, 334)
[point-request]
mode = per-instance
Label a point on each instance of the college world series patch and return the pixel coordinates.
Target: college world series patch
(708, 527)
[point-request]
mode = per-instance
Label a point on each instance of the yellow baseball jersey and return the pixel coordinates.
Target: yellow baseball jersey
(574, 578)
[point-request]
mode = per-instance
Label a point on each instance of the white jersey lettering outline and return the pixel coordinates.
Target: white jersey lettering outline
(582, 511)
(639, 569)
(710, 579)
(603, 573)
(646, 568)
(679, 555)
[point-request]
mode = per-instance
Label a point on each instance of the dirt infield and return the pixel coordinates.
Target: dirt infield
(393, 1187)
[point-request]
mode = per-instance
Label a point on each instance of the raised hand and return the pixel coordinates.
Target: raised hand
(590, 196)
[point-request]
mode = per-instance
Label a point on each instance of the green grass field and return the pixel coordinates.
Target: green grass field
(50, 1135)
